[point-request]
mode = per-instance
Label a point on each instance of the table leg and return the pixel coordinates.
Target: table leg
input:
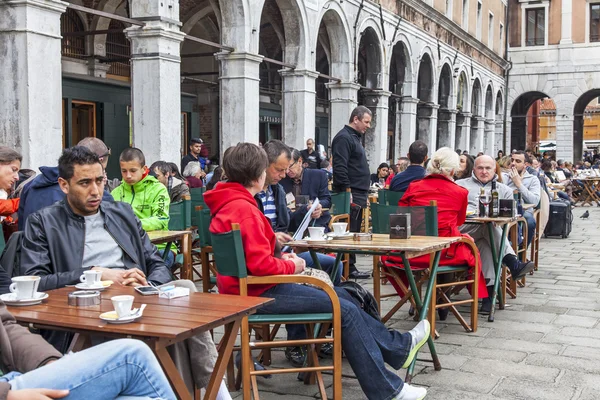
(225, 349)
(165, 360)
(497, 257)
(423, 306)
(79, 342)
(186, 248)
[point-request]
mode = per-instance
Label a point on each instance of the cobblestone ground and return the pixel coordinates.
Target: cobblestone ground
(544, 345)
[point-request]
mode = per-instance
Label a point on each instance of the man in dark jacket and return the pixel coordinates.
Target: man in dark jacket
(43, 190)
(310, 156)
(308, 182)
(417, 155)
(351, 170)
(81, 233)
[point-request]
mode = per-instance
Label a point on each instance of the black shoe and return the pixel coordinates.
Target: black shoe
(257, 366)
(443, 313)
(411, 311)
(486, 306)
(326, 350)
(296, 356)
(521, 269)
(359, 275)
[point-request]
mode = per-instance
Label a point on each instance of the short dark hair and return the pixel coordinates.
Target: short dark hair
(244, 163)
(525, 155)
(195, 140)
(546, 165)
(162, 166)
(133, 154)
(296, 155)
(8, 155)
(274, 149)
(417, 152)
(360, 112)
(77, 155)
(174, 169)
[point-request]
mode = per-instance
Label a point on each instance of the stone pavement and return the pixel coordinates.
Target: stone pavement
(544, 345)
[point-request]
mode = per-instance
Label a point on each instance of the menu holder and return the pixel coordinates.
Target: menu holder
(400, 226)
(507, 208)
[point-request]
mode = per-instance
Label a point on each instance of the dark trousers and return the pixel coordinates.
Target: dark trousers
(359, 203)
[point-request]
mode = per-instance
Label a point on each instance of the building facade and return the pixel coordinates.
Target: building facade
(162, 71)
(555, 54)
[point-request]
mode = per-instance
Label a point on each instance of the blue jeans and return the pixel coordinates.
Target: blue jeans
(116, 369)
(368, 343)
(170, 258)
(530, 225)
(297, 332)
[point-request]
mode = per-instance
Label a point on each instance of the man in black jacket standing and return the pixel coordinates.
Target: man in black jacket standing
(351, 170)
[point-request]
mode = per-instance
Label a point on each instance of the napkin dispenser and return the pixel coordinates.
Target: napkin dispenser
(507, 208)
(399, 226)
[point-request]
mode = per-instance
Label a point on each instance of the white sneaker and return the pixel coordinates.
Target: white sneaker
(411, 393)
(420, 334)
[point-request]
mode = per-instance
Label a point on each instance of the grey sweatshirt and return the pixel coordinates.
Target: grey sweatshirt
(473, 185)
(530, 187)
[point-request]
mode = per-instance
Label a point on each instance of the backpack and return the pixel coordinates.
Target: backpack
(364, 297)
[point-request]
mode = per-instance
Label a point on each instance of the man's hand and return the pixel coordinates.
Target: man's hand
(36, 394)
(283, 237)
(124, 277)
(318, 212)
(515, 177)
(299, 263)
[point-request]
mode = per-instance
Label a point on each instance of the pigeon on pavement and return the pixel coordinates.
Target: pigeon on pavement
(585, 215)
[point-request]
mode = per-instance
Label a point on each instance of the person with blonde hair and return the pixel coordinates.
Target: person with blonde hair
(452, 201)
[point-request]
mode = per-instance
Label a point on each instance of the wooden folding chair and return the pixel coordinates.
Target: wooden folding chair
(230, 261)
(340, 212)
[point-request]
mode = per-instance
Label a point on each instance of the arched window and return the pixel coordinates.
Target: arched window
(73, 45)
(118, 50)
(462, 88)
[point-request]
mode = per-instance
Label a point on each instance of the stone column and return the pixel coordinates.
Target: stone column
(376, 137)
(239, 98)
(446, 128)
(408, 125)
(498, 142)
(427, 125)
(31, 80)
(299, 97)
(477, 132)
(156, 79)
(463, 131)
(342, 100)
(489, 137)
(398, 130)
(566, 32)
(565, 147)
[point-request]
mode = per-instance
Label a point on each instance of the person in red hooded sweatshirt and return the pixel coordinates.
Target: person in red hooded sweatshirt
(452, 201)
(367, 342)
(10, 163)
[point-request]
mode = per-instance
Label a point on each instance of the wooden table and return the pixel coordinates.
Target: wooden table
(382, 245)
(496, 256)
(590, 185)
(165, 322)
(168, 237)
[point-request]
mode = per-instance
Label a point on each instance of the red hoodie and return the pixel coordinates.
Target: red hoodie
(232, 203)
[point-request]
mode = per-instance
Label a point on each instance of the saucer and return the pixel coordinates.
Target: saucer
(112, 318)
(99, 286)
(319, 240)
(345, 235)
(10, 299)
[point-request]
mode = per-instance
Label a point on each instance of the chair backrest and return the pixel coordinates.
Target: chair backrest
(2, 243)
(423, 219)
(197, 195)
(203, 223)
(180, 215)
(228, 252)
(340, 203)
(388, 197)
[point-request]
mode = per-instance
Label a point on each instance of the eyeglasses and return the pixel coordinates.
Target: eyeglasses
(107, 154)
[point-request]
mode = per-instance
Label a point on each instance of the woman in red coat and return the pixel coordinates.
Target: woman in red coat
(452, 201)
(10, 163)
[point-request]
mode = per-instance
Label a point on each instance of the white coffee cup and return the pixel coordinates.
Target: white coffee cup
(339, 228)
(123, 305)
(24, 287)
(316, 232)
(91, 278)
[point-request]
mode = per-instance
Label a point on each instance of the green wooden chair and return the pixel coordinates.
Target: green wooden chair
(197, 197)
(388, 197)
(424, 222)
(2, 243)
(180, 215)
(230, 261)
(205, 250)
(340, 212)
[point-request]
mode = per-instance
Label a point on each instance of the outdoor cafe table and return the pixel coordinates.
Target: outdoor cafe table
(382, 245)
(168, 237)
(591, 185)
(165, 322)
(496, 255)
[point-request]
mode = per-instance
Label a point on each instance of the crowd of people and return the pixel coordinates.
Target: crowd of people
(71, 218)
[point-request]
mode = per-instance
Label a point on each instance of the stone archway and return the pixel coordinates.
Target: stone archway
(463, 116)
(582, 135)
(400, 74)
(489, 127)
(477, 119)
(426, 108)
(446, 115)
(522, 128)
(499, 118)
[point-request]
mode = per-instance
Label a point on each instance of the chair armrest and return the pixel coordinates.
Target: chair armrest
(340, 217)
(469, 242)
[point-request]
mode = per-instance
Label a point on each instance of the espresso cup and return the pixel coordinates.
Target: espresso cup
(316, 232)
(123, 305)
(339, 228)
(24, 287)
(91, 278)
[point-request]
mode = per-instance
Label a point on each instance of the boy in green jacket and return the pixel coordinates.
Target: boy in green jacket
(147, 196)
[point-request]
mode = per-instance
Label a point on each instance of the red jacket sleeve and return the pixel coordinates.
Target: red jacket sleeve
(259, 250)
(463, 198)
(8, 207)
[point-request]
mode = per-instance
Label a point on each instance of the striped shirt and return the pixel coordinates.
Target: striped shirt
(268, 202)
